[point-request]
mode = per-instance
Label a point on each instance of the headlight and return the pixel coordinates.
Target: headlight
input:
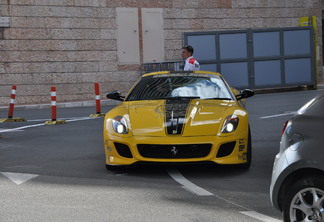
(120, 125)
(230, 124)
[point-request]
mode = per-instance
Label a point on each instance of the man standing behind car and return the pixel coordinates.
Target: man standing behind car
(191, 63)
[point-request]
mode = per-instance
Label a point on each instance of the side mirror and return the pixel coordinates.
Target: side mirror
(246, 93)
(115, 95)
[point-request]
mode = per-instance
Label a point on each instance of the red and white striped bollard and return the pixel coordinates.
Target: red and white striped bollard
(97, 92)
(12, 101)
(12, 107)
(53, 102)
(54, 120)
(97, 97)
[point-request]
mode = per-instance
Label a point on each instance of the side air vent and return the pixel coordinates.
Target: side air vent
(226, 149)
(123, 150)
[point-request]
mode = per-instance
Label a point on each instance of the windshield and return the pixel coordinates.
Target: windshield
(173, 86)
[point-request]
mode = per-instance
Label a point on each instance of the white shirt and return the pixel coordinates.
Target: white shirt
(191, 64)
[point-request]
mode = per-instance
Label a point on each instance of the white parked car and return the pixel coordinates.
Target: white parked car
(297, 184)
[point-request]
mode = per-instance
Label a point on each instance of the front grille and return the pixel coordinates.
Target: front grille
(174, 151)
(226, 149)
(123, 150)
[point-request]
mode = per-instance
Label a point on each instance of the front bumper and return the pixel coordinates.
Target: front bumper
(223, 150)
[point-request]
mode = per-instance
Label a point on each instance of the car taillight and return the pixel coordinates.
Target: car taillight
(284, 127)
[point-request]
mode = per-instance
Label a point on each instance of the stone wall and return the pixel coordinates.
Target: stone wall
(71, 44)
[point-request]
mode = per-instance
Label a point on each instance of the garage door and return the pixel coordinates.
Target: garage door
(259, 58)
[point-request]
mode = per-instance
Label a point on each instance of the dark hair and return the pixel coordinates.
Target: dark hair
(188, 48)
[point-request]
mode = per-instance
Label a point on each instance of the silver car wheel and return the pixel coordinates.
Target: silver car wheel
(307, 205)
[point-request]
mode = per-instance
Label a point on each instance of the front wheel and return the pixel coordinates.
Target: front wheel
(248, 153)
(115, 167)
(305, 200)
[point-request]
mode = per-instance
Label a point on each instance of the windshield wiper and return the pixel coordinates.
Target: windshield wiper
(181, 97)
(219, 98)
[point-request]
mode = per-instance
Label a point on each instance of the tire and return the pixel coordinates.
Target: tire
(114, 167)
(311, 206)
(248, 153)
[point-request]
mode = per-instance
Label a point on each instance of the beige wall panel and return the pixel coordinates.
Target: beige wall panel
(128, 36)
(153, 35)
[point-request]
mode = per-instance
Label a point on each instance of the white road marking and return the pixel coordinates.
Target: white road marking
(193, 188)
(21, 128)
(37, 120)
(259, 216)
(278, 115)
(19, 178)
(80, 118)
(68, 119)
(9, 130)
(72, 119)
(188, 185)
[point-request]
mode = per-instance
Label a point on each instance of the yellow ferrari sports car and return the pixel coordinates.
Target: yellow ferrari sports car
(178, 117)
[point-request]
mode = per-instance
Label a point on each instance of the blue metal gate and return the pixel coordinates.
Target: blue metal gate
(259, 58)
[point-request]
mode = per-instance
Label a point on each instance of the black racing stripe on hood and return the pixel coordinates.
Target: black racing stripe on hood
(175, 115)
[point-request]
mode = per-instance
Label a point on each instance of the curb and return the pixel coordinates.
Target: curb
(320, 86)
(64, 105)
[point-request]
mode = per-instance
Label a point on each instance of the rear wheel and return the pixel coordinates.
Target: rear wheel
(305, 200)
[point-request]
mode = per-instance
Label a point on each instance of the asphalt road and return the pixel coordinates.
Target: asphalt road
(57, 173)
